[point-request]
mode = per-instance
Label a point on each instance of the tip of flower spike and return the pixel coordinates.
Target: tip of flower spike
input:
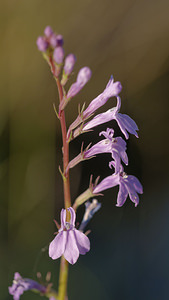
(42, 44)
(48, 31)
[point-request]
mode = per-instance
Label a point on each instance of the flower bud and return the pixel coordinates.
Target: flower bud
(58, 55)
(69, 64)
(42, 43)
(56, 40)
(84, 76)
(48, 31)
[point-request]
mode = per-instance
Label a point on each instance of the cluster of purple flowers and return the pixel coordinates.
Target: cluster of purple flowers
(68, 236)
(70, 241)
(20, 285)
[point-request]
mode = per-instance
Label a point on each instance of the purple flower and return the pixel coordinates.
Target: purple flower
(58, 55)
(48, 31)
(82, 78)
(124, 121)
(20, 285)
(128, 185)
(42, 44)
(112, 89)
(69, 242)
(69, 63)
(115, 146)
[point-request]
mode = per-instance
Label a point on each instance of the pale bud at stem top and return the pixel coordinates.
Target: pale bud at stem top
(48, 31)
(42, 44)
(58, 55)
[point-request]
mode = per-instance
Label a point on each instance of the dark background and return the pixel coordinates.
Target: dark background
(129, 246)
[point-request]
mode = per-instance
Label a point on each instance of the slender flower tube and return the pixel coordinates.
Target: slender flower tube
(112, 89)
(83, 77)
(20, 285)
(128, 185)
(69, 242)
(124, 121)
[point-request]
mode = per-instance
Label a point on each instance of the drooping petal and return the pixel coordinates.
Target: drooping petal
(107, 183)
(126, 124)
(71, 252)
(82, 241)
(136, 183)
(132, 194)
(63, 218)
(57, 246)
(73, 216)
(122, 195)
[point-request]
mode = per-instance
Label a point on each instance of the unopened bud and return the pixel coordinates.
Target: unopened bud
(58, 55)
(56, 40)
(48, 31)
(42, 43)
(69, 64)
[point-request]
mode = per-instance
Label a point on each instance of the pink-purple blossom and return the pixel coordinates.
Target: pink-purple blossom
(115, 146)
(125, 123)
(128, 185)
(20, 285)
(69, 241)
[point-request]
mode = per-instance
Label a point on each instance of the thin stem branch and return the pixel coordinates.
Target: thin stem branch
(63, 277)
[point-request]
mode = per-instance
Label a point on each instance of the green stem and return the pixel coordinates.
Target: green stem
(63, 278)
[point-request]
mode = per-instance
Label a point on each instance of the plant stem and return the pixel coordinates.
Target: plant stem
(63, 277)
(62, 292)
(65, 150)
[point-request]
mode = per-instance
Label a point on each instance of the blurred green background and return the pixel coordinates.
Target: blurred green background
(129, 246)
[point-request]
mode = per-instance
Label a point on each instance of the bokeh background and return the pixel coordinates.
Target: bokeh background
(129, 246)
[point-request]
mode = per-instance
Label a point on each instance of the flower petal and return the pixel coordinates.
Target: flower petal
(122, 195)
(126, 123)
(107, 183)
(82, 241)
(63, 218)
(57, 246)
(71, 252)
(132, 193)
(136, 183)
(73, 216)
